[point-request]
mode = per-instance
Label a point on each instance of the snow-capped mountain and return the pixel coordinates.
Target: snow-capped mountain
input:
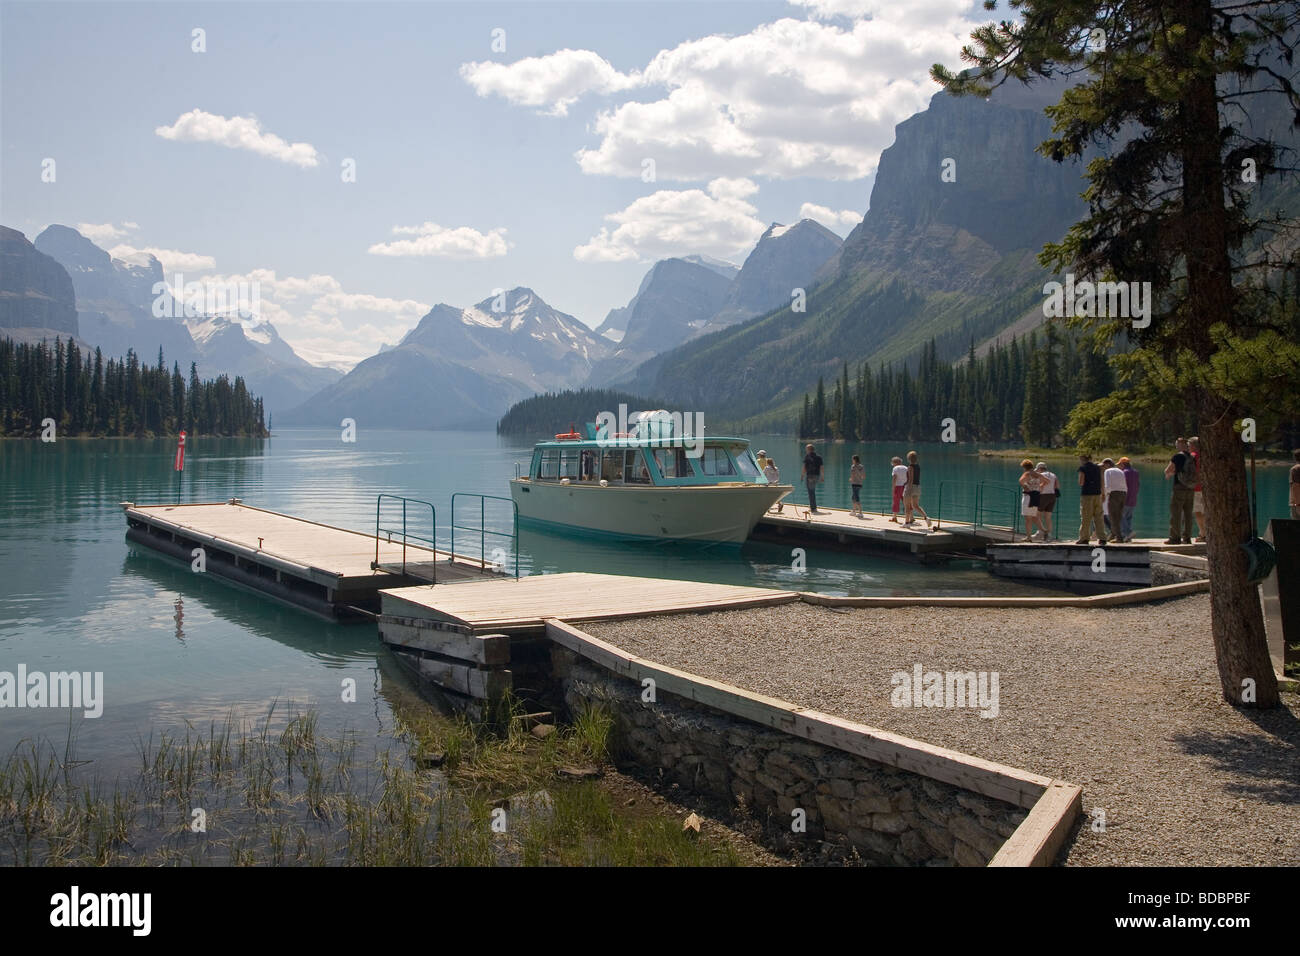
(462, 368)
(255, 351)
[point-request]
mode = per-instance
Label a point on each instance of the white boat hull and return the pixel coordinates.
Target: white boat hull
(724, 513)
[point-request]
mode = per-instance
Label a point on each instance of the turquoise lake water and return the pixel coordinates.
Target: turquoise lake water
(175, 647)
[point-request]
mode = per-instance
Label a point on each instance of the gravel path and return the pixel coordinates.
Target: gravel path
(1123, 701)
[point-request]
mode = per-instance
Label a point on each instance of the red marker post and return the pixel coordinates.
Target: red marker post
(180, 464)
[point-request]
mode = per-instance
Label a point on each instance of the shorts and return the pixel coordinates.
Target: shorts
(912, 495)
(1046, 503)
(1198, 502)
(856, 489)
(1033, 498)
(898, 497)
(1027, 509)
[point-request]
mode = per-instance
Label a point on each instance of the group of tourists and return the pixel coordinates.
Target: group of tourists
(1108, 496)
(905, 479)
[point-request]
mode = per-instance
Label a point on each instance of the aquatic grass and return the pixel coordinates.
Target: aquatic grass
(275, 792)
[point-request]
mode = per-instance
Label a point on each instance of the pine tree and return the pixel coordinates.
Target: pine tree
(1169, 206)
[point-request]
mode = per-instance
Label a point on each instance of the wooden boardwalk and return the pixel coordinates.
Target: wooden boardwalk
(524, 605)
(313, 565)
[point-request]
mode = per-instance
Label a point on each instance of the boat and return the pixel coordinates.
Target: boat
(649, 483)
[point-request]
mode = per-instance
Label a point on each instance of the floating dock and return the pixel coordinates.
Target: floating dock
(832, 527)
(331, 571)
(1090, 568)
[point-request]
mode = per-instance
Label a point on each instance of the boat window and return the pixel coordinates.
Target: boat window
(674, 463)
(589, 459)
(569, 463)
(637, 473)
(714, 461)
(745, 462)
(611, 465)
(550, 464)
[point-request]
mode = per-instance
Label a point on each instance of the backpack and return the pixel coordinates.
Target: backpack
(1186, 476)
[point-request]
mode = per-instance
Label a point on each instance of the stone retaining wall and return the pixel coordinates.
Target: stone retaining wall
(891, 816)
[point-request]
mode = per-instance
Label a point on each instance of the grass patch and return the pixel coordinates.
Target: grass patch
(274, 792)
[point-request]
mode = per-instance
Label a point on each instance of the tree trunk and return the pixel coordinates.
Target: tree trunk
(1236, 617)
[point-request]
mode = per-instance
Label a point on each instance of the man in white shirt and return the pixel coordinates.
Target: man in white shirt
(899, 477)
(1114, 487)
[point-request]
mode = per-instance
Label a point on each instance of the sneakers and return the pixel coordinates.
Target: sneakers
(1082, 541)
(1187, 540)
(1173, 540)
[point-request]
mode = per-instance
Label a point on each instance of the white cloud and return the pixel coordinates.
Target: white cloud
(238, 132)
(100, 233)
(557, 79)
(789, 98)
(325, 323)
(678, 222)
(172, 260)
(432, 239)
(832, 220)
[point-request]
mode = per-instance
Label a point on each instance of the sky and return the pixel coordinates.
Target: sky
(362, 162)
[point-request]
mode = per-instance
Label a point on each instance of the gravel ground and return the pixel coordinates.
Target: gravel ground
(1123, 701)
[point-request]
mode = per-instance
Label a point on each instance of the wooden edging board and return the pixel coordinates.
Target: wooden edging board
(1136, 596)
(1044, 830)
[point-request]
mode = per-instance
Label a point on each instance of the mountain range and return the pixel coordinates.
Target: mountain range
(947, 251)
(462, 367)
(113, 309)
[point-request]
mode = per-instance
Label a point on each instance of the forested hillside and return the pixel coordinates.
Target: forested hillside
(87, 395)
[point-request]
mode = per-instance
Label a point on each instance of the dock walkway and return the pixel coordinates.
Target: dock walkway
(325, 569)
(512, 607)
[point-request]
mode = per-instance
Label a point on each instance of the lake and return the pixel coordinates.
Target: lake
(175, 647)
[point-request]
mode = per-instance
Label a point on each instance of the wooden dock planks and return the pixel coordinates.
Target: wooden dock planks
(334, 557)
(524, 605)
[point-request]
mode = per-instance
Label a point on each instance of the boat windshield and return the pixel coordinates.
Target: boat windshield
(714, 461)
(748, 467)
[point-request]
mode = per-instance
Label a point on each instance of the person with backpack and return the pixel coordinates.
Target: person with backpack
(1182, 469)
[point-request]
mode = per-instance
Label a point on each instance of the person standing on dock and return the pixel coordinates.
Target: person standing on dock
(1116, 488)
(898, 475)
(857, 475)
(1182, 500)
(812, 477)
(1048, 493)
(773, 476)
(1198, 498)
(1090, 500)
(1132, 481)
(912, 492)
(1030, 483)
